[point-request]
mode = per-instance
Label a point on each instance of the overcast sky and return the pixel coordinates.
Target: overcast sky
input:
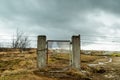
(60, 19)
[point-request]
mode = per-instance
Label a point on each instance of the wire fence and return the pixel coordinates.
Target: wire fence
(100, 42)
(86, 40)
(6, 41)
(13, 61)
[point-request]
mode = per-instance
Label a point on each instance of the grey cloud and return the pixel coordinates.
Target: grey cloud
(55, 17)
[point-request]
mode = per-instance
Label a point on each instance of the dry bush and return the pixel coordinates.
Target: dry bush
(20, 41)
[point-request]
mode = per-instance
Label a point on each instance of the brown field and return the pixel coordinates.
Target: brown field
(23, 66)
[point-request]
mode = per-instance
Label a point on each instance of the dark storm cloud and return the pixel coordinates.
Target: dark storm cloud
(56, 18)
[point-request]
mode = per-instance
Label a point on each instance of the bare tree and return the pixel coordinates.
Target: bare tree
(20, 41)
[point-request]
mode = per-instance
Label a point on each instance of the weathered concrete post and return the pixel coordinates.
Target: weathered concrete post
(76, 52)
(41, 51)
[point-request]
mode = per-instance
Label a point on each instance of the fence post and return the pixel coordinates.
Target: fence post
(41, 51)
(76, 52)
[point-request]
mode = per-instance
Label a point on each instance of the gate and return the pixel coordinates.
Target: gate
(59, 53)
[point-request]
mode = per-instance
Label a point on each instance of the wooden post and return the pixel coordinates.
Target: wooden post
(41, 51)
(76, 52)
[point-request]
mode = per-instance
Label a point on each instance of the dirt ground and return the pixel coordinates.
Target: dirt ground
(116, 67)
(113, 69)
(108, 71)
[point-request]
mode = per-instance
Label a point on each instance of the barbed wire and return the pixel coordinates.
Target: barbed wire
(88, 35)
(85, 39)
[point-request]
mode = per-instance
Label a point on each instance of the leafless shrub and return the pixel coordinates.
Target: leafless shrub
(20, 41)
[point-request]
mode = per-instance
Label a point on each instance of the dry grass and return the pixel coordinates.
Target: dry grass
(89, 58)
(21, 66)
(25, 76)
(59, 60)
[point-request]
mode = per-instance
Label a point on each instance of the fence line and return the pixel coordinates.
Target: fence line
(6, 40)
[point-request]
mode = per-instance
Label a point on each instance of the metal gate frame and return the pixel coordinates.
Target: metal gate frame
(70, 60)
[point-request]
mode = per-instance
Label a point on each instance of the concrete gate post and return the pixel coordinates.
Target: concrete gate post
(41, 52)
(76, 52)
